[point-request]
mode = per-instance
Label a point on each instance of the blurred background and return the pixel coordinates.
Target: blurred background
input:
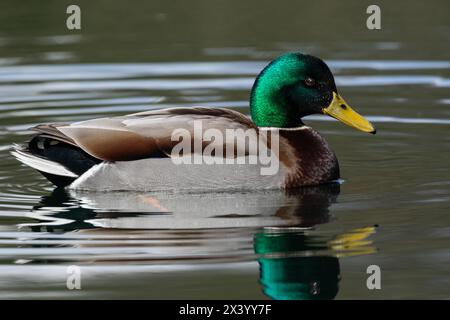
(198, 30)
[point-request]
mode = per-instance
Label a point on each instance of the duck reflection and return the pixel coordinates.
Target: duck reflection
(296, 261)
(59, 212)
(283, 275)
(78, 210)
(297, 266)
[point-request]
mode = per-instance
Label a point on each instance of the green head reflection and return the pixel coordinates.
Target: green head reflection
(285, 276)
(298, 266)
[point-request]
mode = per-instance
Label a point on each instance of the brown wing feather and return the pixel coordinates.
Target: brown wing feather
(146, 134)
(51, 131)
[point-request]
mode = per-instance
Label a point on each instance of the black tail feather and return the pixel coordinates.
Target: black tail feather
(68, 155)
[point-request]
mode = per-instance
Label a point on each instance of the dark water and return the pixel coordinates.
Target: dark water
(392, 210)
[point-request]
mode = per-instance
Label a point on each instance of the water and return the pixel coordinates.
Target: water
(391, 210)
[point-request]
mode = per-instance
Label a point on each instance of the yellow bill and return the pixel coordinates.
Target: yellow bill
(341, 111)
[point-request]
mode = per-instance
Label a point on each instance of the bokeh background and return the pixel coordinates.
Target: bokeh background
(197, 30)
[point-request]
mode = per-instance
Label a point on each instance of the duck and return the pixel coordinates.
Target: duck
(136, 151)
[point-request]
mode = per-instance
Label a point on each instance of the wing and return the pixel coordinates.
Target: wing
(146, 134)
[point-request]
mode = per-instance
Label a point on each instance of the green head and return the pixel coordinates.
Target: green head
(296, 85)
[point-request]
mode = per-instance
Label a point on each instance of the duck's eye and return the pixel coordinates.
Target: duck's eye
(310, 82)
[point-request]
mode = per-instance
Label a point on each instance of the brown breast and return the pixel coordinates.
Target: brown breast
(308, 158)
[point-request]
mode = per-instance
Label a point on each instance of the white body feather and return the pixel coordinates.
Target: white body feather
(158, 174)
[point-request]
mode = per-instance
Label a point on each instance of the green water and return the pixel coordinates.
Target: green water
(392, 209)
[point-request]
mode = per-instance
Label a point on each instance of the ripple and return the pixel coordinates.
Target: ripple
(384, 119)
(127, 70)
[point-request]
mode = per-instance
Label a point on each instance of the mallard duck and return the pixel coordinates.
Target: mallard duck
(135, 152)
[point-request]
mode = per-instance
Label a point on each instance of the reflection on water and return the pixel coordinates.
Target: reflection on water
(285, 276)
(59, 212)
(71, 210)
(295, 266)
(275, 227)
